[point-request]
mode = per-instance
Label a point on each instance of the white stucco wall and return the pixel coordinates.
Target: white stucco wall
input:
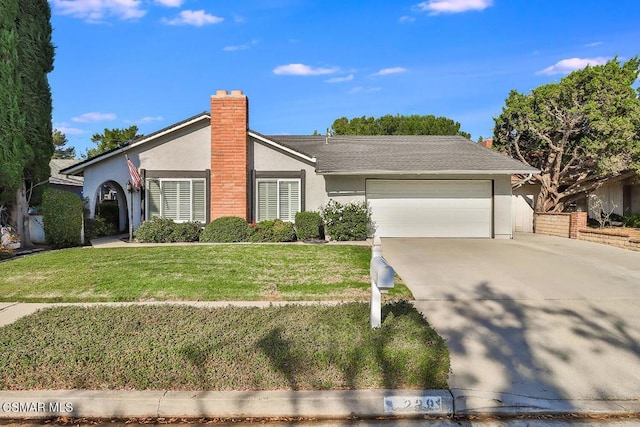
(268, 159)
(188, 149)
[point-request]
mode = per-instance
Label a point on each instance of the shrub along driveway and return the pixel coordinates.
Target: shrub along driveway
(535, 317)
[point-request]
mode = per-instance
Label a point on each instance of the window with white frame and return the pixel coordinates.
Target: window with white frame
(179, 199)
(277, 198)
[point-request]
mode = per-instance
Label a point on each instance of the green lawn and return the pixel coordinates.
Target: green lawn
(205, 273)
(187, 348)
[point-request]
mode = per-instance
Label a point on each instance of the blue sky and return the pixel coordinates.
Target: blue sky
(304, 63)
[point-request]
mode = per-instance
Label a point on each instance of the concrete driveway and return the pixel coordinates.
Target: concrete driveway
(534, 322)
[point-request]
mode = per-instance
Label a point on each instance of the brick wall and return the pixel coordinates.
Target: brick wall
(229, 154)
(619, 239)
(560, 224)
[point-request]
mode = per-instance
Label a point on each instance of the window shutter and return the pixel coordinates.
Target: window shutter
(289, 200)
(267, 200)
(170, 199)
(154, 198)
(184, 201)
(199, 201)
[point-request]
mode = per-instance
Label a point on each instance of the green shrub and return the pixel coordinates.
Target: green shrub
(272, 230)
(156, 230)
(633, 220)
(98, 227)
(62, 218)
(308, 226)
(349, 221)
(186, 232)
(227, 229)
(110, 212)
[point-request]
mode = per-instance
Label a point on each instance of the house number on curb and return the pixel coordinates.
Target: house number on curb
(412, 404)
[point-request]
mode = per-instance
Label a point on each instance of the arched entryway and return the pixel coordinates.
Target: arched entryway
(111, 203)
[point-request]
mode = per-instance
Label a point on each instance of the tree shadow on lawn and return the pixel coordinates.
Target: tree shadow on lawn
(541, 349)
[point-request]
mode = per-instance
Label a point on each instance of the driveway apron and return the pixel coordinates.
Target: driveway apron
(536, 317)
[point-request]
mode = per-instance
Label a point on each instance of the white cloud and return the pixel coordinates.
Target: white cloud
(388, 71)
(146, 119)
(68, 130)
(566, 66)
(93, 117)
(197, 18)
(302, 70)
(436, 7)
(170, 3)
(97, 10)
(245, 46)
(406, 19)
(360, 89)
(340, 79)
(594, 44)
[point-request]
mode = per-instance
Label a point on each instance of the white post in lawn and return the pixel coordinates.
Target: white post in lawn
(376, 306)
(382, 279)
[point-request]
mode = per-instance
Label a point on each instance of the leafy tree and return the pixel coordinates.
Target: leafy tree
(397, 125)
(578, 132)
(25, 104)
(59, 141)
(111, 139)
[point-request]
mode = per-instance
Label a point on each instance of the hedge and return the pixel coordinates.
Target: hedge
(309, 226)
(227, 229)
(62, 216)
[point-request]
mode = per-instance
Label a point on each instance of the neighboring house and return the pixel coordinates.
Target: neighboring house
(212, 165)
(65, 182)
(622, 194)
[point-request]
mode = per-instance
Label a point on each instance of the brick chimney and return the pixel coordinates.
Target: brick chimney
(487, 143)
(229, 154)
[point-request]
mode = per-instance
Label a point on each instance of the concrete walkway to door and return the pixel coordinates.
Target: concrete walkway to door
(536, 322)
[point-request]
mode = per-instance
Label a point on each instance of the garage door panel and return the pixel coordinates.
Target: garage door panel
(431, 208)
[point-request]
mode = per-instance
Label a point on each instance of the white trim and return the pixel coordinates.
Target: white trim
(281, 147)
(81, 166)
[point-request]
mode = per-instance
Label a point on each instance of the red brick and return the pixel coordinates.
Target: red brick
(229, 154)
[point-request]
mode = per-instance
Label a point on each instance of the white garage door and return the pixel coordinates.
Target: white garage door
(431, 208)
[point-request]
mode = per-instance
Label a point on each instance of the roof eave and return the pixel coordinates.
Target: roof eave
(80, 167)
(281, 147)
(430, 172)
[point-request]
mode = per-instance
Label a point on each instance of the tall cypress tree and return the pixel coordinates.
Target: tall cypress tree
(14, 153)
(35, 54)
(26, 57)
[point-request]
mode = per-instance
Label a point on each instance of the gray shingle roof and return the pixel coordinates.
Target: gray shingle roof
(346, 154)
(56, 177)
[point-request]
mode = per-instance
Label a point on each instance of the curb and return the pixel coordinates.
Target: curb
(366, 404)
(472, 402)
(43, 404)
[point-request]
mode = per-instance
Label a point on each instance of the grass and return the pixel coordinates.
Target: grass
(204, 273)
(188, 348)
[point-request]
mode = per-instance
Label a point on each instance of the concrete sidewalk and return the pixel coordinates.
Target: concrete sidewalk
(247, 404)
